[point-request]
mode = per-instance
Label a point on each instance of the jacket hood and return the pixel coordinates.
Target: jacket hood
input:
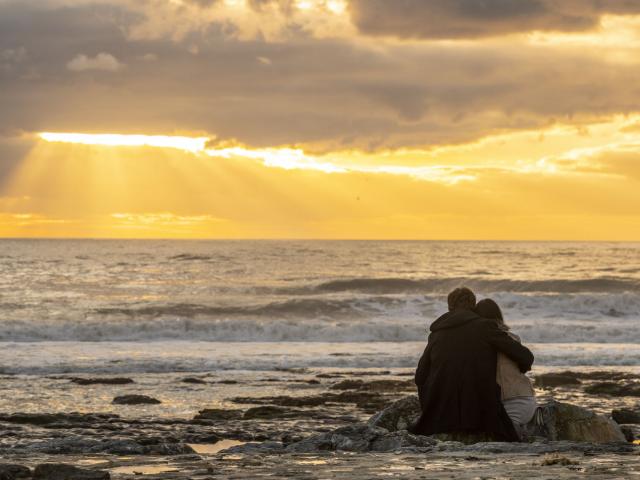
(453, 320)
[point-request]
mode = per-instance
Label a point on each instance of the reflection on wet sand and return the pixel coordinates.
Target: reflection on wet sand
(212, 448)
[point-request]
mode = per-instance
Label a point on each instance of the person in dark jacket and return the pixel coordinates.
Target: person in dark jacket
(456, 375)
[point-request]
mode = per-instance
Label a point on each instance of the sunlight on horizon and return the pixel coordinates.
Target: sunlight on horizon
(157, 186)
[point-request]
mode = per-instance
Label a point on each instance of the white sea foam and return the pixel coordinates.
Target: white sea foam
(605, 318)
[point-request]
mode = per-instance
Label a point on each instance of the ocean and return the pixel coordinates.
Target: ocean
(121, 306)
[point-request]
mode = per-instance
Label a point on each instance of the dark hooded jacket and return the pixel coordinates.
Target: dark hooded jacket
(456, 377)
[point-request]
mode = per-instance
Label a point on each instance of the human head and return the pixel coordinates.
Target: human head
(487, 308)
(461, 299)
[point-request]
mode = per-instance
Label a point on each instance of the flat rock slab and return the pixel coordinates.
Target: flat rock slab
(386, 385)
(62, 471)
(194, 380)
(272, 412)
(13, 471)
(551, 380)
(218, 414)
(614, 389)
(61, 419)
(362, 438)
(102, 381)
(135, 400)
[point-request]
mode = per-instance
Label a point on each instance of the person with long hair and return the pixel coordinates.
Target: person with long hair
(518, 395)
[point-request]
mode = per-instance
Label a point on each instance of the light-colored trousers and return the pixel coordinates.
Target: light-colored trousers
(520, 409)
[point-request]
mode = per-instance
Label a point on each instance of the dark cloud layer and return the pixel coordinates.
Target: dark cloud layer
(450, 19)
(325, 93)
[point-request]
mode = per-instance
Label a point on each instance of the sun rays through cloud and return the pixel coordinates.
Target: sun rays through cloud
(201, 186)
(286, 158)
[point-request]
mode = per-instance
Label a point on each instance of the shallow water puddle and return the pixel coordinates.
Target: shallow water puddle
(211, 448)
(144, 469)
(400, 467)
(232, 457)
(312, 461)
(91, 461)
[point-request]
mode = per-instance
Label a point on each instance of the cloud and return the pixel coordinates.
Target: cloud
(102, 61)
(13, 54)
(451, 19)
(143, 220)
(348, 91)
(619, 159)
(203, 3)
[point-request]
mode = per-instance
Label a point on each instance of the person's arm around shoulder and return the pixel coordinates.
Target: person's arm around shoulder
(422, 372)
(503, 342)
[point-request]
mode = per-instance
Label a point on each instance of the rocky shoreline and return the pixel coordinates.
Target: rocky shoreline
(319, 425)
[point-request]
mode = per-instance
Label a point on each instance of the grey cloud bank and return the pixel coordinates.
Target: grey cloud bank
(62, 67)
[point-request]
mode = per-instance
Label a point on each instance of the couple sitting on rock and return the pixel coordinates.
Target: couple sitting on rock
(470, 377)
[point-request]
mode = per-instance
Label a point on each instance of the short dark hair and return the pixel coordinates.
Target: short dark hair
(461, 298)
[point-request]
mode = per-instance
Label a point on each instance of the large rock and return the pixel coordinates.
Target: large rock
(563, 421)
(630, 432)
(399, 415)
(62, 471)
(626, 415)
(11, 471)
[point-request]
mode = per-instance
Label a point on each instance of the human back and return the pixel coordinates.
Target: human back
(456, 375)
(513, 383)
(461, 382)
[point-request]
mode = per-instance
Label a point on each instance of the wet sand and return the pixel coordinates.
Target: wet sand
(463, 465)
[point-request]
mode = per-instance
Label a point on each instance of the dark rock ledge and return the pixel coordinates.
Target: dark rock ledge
(565, 427)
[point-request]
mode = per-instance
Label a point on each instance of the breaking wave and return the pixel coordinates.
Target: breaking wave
(536, 318)
(443, 285)
(300, 307)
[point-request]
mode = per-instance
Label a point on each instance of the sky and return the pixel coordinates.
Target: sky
(345, 119)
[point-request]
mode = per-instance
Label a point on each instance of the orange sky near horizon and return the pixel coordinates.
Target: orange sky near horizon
(329, 119)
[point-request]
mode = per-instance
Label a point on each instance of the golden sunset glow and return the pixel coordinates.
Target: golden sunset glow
(322, 119)
(284, 157)
(115, 140)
